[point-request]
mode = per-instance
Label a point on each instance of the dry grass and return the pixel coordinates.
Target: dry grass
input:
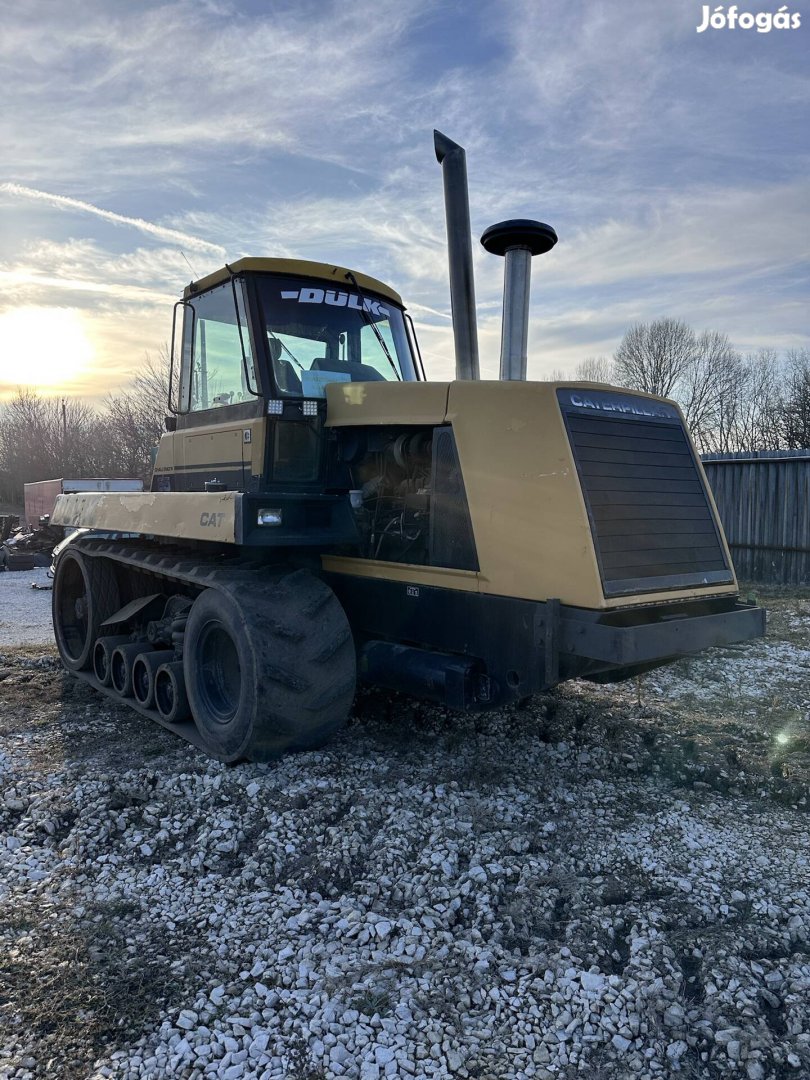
(71, 988)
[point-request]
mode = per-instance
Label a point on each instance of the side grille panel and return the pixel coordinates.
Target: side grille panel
(650, 517)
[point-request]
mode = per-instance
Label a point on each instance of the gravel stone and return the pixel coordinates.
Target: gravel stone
(429, 896)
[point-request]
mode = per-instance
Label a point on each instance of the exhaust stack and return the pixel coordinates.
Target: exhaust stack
(453, 161)
(517, 240)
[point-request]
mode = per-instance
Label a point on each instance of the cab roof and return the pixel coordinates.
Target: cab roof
(325, 272)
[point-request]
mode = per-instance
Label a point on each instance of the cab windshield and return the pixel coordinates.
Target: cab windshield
(318, 335)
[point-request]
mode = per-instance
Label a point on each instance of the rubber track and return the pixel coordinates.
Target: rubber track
(203, 573)
(244, 583)
(211, 573)
(187, 729)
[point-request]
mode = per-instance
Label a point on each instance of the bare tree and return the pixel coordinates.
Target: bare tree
(22, 446)
(598, 369)
(758, 426)
(794, 415)
(134, 420)
(730, 402)
(655, 357)
(711, 390)
(151, 384)
(42, 438)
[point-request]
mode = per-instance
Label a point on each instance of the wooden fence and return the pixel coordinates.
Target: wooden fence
(763, 497)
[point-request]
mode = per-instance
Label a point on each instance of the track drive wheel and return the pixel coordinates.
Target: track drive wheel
(268, 669)
(85, 593)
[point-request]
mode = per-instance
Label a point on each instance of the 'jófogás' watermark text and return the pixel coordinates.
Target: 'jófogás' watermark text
(732, 18)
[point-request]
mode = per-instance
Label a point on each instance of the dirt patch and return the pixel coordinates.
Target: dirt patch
(74, 986)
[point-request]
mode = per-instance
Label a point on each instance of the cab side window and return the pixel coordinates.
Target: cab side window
(213, 372)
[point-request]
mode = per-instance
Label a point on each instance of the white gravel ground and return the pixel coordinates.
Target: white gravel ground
(533, 893)
(25, 612)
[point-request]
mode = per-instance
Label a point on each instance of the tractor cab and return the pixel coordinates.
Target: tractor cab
(254, 346)
(279, 329)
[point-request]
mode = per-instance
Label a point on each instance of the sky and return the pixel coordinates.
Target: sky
(147, 143)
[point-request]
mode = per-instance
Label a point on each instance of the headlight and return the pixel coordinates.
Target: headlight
(269, 516)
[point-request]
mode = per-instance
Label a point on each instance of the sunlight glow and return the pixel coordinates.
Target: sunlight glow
(782, 738)
(43, 347)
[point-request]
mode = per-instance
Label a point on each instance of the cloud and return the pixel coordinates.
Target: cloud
(124, 301)
(431, 311)
(302, 79)
(709, 231)
(163, 233)
(86, 274)
(669, 162)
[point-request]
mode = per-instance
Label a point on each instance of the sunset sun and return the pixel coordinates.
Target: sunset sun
(43, 347)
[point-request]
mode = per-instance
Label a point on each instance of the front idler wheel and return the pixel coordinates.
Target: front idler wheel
(85, 593)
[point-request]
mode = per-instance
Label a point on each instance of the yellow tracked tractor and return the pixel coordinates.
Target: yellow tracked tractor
(319, 514)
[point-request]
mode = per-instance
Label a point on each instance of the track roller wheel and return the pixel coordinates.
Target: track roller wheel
(144, 671)
(171, 700)
(85, 593)
(268, 669)
(102, 655)
(121, 663)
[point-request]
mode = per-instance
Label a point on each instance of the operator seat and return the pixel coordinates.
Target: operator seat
(356, 372)
(286, 375)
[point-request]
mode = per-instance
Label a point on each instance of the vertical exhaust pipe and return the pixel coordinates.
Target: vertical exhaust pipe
(517, 241)
(453, 161)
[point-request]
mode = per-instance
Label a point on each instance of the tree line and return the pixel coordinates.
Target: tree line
(45, 438)
(731, 401)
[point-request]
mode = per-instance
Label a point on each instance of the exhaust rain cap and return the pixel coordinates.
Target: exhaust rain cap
(517, 240)
(536, 236)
